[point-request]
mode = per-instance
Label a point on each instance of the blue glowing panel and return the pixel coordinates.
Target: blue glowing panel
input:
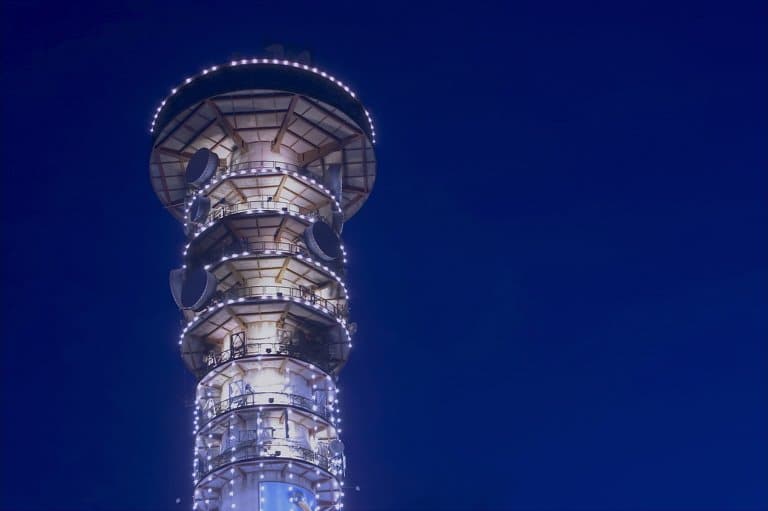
(285, 497)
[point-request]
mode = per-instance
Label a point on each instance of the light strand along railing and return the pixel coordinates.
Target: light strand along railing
(251, 399)
(262, 204)
(305, 296)
(253, 450)
(319, 354)
(279, 166)
(249, 168)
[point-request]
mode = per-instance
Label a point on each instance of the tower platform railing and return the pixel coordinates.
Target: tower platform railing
(319, 355)
(262, 166)
(255, 167)
(254, 450)
(253, 247)
(258, 206)
(298, 294)
(258, 399)
(259, 247)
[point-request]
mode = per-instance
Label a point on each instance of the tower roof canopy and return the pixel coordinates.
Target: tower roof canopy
(265, 113)
(269, 74)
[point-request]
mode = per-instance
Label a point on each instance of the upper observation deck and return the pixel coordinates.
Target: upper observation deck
(265, 110)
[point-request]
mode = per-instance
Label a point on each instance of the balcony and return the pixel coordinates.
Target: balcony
(296, 294)
(251, 168)
(254, 399)
(262, 166)
(257, 247)
(263, 205)
(266, 260)
(318, 354)
(256, 450)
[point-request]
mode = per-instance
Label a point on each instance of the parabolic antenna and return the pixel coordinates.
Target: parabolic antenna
(193, 351)
(201, 167)
(199, 209)
(322, 241)
(191, 289)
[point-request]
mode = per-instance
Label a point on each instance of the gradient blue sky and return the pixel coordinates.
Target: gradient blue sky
(559, 280)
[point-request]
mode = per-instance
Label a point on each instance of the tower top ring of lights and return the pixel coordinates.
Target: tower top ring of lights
(216, 79)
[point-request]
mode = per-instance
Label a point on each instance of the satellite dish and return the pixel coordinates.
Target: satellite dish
(199, 209)
(201, 167)
(193, 351)
(176, 280)
(338, 222)
(322, 241)
(333, 179)
(191, 289)
(336, 447)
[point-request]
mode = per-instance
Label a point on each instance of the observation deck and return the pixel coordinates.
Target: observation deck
(300, 110)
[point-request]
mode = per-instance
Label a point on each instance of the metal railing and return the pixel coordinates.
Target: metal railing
(302, 295)
(218, 408)
(264, 164)
(265, 203)
(252, 246)
(246, 168)
(321, 356)
(251, 450)
(258, 205)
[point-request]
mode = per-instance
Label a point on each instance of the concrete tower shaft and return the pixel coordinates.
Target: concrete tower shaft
(263, 161)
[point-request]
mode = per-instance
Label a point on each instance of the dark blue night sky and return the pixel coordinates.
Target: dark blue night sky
(574, 318)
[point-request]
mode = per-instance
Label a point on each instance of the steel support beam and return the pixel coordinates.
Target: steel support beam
(287, 118)
(227, 127)
(321, 152)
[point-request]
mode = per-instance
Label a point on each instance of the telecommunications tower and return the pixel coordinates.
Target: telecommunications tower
(262, 161)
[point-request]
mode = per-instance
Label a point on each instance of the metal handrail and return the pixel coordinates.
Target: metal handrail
(273, 246)
(263, 204)
(267, 247)
(263, 164)
(241, 169)
(214, 358)
(261, 449)
(236, 293)
(256, 206)
(250, 399)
